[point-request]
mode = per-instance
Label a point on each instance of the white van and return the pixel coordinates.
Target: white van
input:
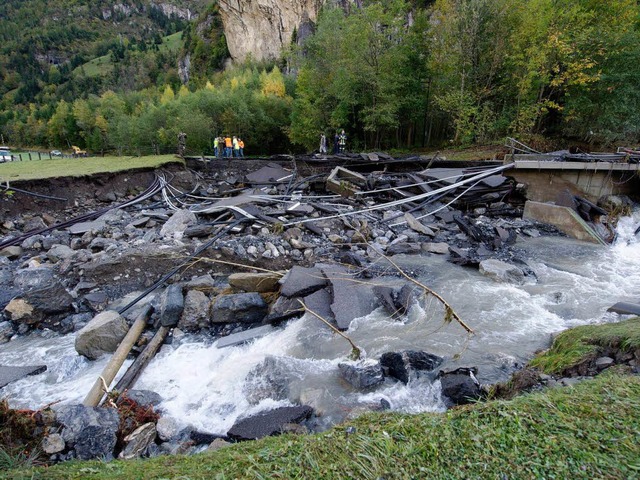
(5, 154)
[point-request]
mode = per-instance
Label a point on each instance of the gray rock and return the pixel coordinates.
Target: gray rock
(60, 252)
(202, 283)
(32, 243)
(144, 397)
(460, 386)
(320, 303)
(604, 362)
(12, 253)
(404, 249)
(239, 308)
(19, 310)
(96, 226)
(437, 248)
(6, 331)
(300, 281)
(101, 335)
(417, 226)
(284, 308)
(53, 443)
(350, 299)
(255, 282)
(268, 423)
(268, 379)
(33, 278)
(196, 313)
(167, 428)
(138, 441)
(361, 376)
(171, 306)
(10, 374)
(501, 271)
(217, 444)
(52, 298)
(90, 431)
(400, 365)
(244, 337)
(178, 223)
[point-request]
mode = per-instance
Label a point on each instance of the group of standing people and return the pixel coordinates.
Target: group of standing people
(339, 143)
(227, 147)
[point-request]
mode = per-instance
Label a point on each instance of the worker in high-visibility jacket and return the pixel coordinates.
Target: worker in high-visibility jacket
(216, 143)
(228, 145)
(236, 147)
(241, 145)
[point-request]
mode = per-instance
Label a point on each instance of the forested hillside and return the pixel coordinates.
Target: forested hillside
(393, 74)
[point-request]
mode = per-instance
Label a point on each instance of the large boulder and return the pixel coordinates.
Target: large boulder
(460, 386)
(178, 223)
(239, 308)
(197, 312)
(362, 376)
(33, 278)
(101, 335)
(501, 271)
(268, 379)
(300, 281)
(268, 423)
(400, 365)
(90, 431)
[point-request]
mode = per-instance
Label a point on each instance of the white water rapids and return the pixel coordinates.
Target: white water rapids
(206, 387)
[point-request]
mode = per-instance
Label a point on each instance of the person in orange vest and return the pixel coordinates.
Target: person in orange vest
(228, 145)
(241, 145)
(236, 147)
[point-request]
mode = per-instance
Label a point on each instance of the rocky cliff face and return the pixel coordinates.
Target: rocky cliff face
(261, 28)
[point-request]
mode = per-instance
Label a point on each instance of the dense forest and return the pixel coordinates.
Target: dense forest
(393, 74)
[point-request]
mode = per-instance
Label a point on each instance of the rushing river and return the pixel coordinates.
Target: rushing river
(208, 388)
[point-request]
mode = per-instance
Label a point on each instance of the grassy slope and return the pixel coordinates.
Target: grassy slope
(576, 345)
(76, 167)
(589, 431)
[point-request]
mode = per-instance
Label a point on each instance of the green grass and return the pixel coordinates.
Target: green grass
(97, 67)
(172, 43)
(585, 432)
(77, 167)
(580, 344)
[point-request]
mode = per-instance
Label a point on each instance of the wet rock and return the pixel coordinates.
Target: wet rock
(361, 375)
(53, 443)
(283, 309)
(350, 299)
(460, 386)
(463, 257)
(178, 223)
(404, 249)
(144, 397)
(90, 431)
(407, 297)
(400, 365)
(138, 441)
(167, 428)
(10, 374)
(101, 335)
(268, 379)
(12, 253)
(244, 336)
(268, 423)
(320, 303)
(240, 307)
(171, 306)
(300, 281)
(387, 297)
(255, 282)
(501, 271)
(196, 313)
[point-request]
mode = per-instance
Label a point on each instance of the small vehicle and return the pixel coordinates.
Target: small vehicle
(77, 152)
(5, 155)
(55, 153)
